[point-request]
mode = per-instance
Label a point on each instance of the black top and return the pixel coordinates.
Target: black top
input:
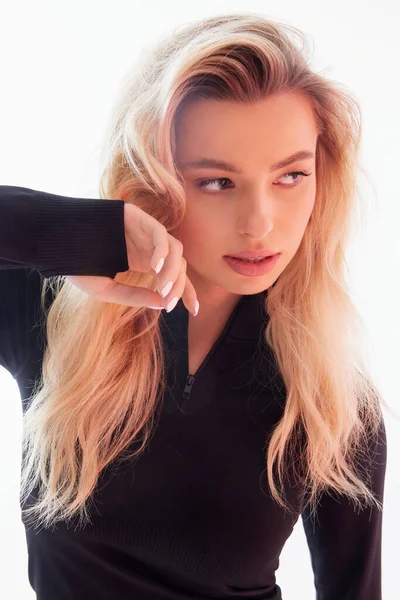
(192, 518)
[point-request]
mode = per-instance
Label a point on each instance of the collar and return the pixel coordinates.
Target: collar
(246, 321)
(239, 357)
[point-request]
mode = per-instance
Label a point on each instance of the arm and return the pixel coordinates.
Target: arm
(60, 235)
(345, 541)
(44, 235)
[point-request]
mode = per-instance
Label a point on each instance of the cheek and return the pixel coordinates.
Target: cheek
(194, 234)
(299, 216)
(298, 222)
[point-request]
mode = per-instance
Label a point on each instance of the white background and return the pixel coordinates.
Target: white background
(61, 63)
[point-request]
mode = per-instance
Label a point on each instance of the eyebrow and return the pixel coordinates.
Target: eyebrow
(212, 163)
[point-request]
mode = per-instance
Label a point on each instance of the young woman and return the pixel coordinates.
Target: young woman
(183, 444)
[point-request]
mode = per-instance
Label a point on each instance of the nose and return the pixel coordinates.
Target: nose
(256, 217)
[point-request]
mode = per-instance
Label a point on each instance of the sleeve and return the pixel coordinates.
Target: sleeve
(59, 235)
(44, 235)
(345, 541)
(19, 312)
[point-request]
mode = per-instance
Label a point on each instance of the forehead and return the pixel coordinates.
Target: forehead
(275, 126)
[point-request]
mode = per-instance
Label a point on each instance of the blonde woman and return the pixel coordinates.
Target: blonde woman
(167, 454)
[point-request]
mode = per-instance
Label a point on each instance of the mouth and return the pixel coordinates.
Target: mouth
(254, 260)
(252, 267)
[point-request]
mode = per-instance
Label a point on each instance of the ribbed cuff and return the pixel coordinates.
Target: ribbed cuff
(78, 236)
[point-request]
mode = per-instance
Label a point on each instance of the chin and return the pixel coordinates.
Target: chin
(251, 285)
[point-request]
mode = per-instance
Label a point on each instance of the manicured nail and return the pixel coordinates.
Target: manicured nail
(196, 308)
(159, 265)
(166, 289)
(172, 303)
(156, 307)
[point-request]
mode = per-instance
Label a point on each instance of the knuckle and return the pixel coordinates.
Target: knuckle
(179, 245)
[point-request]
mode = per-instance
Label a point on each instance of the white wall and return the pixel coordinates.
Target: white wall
(60, 65)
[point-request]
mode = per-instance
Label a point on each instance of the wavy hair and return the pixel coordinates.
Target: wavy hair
(90, 404)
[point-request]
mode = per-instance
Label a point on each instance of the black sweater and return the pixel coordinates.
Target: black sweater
(192, 518)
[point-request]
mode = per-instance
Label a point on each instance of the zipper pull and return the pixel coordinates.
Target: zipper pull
(188, 386)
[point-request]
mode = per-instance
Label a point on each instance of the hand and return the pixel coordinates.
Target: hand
(149, 246)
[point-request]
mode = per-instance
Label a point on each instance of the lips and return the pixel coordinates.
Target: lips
(251, 268)
(250, 259)
(253, 254)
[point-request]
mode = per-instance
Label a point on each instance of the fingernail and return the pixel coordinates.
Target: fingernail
(196, 308)
(171, 304)
(159, 265)
(156, 307)
(166, 289)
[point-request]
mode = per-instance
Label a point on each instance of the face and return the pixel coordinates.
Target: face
(256, 207)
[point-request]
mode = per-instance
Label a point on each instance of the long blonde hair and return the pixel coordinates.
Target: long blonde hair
(103, 373)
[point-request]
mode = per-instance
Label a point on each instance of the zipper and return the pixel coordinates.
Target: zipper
(188, 390)
(189, 382)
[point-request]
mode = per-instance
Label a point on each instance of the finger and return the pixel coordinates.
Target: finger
(159, 236)
(184, 288)
(189, 297)
(172, 266)
(171, 299)
(127, 295)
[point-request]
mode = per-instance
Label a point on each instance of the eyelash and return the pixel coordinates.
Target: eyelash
(202, 184)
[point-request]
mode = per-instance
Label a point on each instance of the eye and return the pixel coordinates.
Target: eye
(301, 174)
(205, 183)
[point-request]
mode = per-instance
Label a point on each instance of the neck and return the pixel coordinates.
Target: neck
(213, 299)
